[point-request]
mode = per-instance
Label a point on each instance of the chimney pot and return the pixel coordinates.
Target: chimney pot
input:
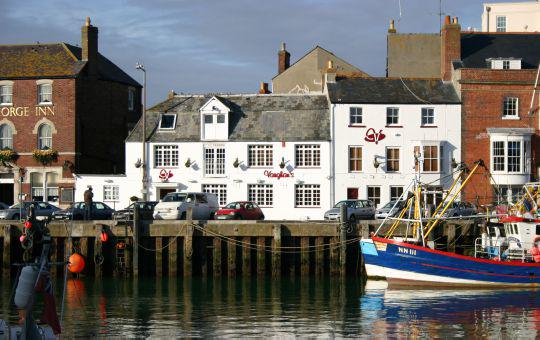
(447, 20)
(89, 47)
(392, 28)
(284, 59)
(264, 88)
(455, 21)
(283, 46)
(88, 22)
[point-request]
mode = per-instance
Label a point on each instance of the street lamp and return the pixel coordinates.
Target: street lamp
(144, 191)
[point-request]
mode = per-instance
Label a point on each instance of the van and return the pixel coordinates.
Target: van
(174, 206)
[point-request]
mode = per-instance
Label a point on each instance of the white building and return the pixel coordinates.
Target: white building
(511, 17)
(271, 149)
(379, 124)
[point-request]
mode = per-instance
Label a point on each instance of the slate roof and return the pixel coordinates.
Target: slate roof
(56, 60)
(477, 47)
(392, 91)
(266, 117)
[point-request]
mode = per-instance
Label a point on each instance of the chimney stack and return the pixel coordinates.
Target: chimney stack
(171, 94)
(284, 59)
(392, 28)
(264, 88)
(450, 46)
(89, 43)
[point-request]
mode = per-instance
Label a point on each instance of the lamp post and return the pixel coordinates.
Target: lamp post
(144, 190)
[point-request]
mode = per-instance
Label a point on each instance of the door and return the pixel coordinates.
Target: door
(164, 191)
(6, 193)
(352, 193)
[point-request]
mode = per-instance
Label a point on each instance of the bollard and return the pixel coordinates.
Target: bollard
(343, 239)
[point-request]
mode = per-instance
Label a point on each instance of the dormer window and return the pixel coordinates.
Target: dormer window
(215, 120)
(504, 64)
(167, 122)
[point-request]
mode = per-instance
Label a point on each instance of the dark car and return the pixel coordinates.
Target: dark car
(100, 211)
(3, 206)
(43, 209)
(146, 210)
(240, 211)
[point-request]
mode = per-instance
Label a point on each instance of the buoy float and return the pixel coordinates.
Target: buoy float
(27, 224)
(104, 236)
(76, 263)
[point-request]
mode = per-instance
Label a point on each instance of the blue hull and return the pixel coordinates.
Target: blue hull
(405, 264)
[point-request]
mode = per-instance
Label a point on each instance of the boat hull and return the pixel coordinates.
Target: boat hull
(404, 264)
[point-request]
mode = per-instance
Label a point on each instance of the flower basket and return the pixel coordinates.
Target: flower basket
(8, 155)
(45, 157)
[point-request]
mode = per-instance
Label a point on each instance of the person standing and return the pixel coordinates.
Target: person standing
(88, 199)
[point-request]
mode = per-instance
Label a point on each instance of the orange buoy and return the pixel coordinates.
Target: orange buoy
(104, 236)
(76, 263)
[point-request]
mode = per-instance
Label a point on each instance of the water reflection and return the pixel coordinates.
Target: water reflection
(291, 306)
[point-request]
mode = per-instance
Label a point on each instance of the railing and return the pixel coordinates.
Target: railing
(500, 249)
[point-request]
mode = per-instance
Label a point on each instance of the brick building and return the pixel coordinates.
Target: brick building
(63, 110)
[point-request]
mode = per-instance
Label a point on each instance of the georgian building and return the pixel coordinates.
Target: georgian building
(63, 110)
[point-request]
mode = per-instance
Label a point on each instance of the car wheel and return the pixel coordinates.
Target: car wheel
(16, 217)
(183, 216)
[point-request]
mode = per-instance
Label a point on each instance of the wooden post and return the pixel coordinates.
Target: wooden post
(83, 247)
(304, 256)
(334, 255)
(343, 240)
(246, 256)
(365, 234)
(217, 257)
(128, 253)
(276, 250)
(231, 263)
(173, 257)
(159, 256)
(261, 262)
(136, 240)
(319, 256)
(97, 250)
(6, 260)
(451, 239)
(188, 251)
(54, 257)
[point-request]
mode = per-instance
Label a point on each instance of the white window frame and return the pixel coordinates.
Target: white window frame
(500, 25)
(392, 113)
(214, 161)
(131, 98)
(166, 156)
(398, 159)
(307, 155)
(307, 195)
(260, 155)
(174, 121)
(44, 141)
(510, 108)
(427, 116)
(394, 197)
(111, 193)
(498, 158)
(511, 156)
(351, 159)
(506, 64)
(220, 190)
(42, 95)
(6, 95)
(6, 142)
(356, 115)
(262, 194)
(374, 198)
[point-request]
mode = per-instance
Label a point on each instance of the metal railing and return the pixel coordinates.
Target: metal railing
(503, 250)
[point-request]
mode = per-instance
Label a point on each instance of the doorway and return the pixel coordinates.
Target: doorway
(6, 193)
(161, 192)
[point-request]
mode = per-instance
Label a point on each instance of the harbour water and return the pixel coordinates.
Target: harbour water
(307, 307)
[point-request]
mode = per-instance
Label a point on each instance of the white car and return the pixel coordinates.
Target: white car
(174, 206)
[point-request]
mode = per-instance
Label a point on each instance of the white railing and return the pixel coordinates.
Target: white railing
(499, 249)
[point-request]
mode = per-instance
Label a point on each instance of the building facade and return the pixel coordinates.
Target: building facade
(511, 17)
(385, 130)
(54, 100)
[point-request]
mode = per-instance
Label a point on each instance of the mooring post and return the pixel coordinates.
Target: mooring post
(173, 256)
(54, 258)
(319, 256)
(451, 239)
(188, 251)
(334, 255)
(246, 256)
(304, 256)
(231, 254)
(343, 239)
(261, 262)
(217, 257)
(276, 250)
(159, 256)
(365, 234)
(83, 247)
(136, 240)
(6, 261)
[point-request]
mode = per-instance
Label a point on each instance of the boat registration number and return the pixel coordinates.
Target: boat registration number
(406, 251)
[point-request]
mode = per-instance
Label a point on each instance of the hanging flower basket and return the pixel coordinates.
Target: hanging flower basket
(8, 155)
(45, 157)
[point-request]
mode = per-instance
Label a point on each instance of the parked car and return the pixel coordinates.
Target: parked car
(174, 206)
(100, 211)
(3, 206)
(460, 209)
(242, 210)
(43, 210)
(384, 212)
(146, 211)
(356, 209)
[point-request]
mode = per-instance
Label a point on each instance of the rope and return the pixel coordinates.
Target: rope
(165, 246)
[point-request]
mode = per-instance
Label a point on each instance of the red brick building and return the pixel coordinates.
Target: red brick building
(63, 110)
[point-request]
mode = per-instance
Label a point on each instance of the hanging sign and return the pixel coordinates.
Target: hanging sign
(278, 175)
(164, 175)
(374, 137)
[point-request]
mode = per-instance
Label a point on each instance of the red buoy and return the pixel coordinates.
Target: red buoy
(104, 236)
(27, 224)
(76, 263)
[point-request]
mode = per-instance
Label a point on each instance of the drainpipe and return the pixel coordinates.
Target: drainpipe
(332, 156)
(488, 9)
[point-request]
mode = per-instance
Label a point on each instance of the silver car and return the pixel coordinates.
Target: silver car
(458, 209)
(356, 210)
(394, 206)
(43, 209)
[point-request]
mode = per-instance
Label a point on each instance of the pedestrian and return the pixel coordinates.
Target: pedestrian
(88, 198)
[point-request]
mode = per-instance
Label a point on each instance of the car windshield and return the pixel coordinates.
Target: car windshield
(349, 204)
(234, 205)
(174, 197)
(390, 204)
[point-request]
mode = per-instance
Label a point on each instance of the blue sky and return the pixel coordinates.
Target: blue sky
(198, 46)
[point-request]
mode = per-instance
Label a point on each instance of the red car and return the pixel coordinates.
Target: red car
(240, 211)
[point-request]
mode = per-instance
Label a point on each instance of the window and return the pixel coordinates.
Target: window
(260, 155)
(221, 119)
(208, 119)
(514, 156)
(131, 99)
(36, 186)
(355, 116)
(506, 64)
(431, 158)
(262, 194)
(395, 193)
(308, 195)
(111, 192)
(355, 158)
(392, 116)
(166, 156)
(392, 159)
(6, 137)
(374, 195)
(6, 94)
(428, 116)
(67, 195)
(501, 23)
(214, 161)
(45, 93)
(167, 122)
(220, 190)
(51, 186)
(308, 155)
(498, 156)
(507, 156)
(44, 137)
(510, 107)
(508, 193)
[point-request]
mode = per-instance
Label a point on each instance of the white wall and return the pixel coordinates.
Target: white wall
(410, 132)
(520, 16)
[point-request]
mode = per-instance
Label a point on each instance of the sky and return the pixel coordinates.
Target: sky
(226, 46)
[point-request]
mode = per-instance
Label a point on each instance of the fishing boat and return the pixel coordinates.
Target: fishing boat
(506, 254)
